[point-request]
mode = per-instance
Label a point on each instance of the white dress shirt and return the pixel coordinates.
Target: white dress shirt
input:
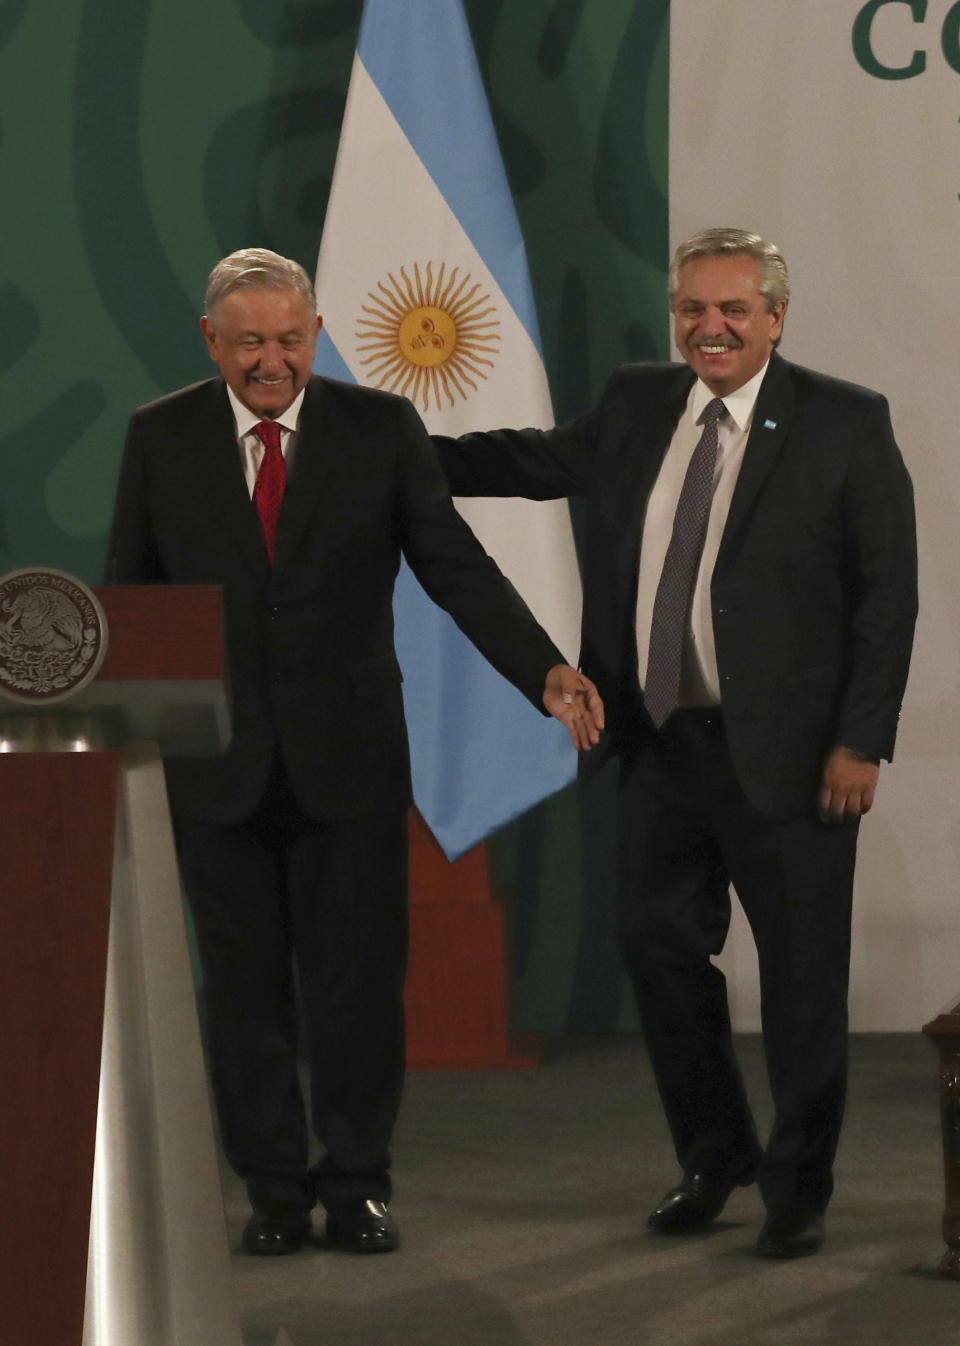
(700, 682)
(251, 446)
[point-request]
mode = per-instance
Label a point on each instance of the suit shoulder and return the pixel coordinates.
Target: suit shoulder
(648, 372)
(812, 383)
(182, 402)
(651, 379)
(363, 406)
(358, 395)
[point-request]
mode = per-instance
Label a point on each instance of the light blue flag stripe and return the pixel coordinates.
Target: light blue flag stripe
(480, 754)
(421, 58)
(329, 361)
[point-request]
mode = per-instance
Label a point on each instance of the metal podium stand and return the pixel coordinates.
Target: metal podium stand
(111, 1193)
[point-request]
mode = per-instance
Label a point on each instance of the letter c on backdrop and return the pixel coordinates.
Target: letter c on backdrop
(863, 40)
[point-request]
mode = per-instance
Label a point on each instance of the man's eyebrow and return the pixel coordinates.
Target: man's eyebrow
(253, 332)
(720, 303)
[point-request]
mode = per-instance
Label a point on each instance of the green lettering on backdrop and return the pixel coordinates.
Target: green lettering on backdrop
(863, 41)
(950, 38)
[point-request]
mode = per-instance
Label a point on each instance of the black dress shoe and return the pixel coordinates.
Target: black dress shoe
(362, 1227)
(268, 1237)
(699, 1199)
(791, 1235)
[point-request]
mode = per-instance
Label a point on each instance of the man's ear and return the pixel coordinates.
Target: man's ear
(210, 336)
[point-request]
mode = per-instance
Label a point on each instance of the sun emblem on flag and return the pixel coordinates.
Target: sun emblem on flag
(428, 337)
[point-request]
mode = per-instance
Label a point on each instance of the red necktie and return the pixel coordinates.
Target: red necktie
(271, 482)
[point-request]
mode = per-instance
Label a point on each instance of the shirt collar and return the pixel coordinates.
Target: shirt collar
(739, 404)
(245, 419)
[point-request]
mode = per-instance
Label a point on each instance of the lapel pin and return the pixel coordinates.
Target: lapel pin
(769, 425)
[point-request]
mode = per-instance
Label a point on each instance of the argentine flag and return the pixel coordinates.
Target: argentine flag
(423, 287)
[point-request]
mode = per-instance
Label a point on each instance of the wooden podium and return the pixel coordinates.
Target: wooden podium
(111, 1202)
(944, 1034)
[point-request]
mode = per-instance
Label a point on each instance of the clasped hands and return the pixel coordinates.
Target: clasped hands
(575, 702)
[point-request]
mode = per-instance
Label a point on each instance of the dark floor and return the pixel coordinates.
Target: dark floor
(522, 1199)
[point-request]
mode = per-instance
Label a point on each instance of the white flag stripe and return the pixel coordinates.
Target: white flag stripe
(391, 216)
(411, 304)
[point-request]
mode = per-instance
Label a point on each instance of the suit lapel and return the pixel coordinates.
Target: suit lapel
(306, 488)
(644, 458)
(222, 479)
(772, 418)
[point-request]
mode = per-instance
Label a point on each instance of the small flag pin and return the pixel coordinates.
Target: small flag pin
(769, 425)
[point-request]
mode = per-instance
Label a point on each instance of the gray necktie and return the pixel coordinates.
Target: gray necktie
(671, 607)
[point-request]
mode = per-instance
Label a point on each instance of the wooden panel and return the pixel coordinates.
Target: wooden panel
(434, 878)
(163, 632)
(57, 816)
(456, 996)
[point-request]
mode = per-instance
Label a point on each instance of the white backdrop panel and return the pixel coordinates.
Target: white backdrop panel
(777, 127)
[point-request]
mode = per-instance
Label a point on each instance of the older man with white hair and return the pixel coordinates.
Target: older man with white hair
(298, 496)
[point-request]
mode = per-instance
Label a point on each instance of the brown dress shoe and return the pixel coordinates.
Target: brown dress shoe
(362, 1227)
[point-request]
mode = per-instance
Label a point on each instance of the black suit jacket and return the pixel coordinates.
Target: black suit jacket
(310, 639)
(814, 588)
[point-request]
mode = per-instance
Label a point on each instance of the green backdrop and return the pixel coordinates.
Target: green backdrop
(140, 140)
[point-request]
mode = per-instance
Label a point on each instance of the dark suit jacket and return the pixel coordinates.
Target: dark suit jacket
(814, 589)
(310, 639)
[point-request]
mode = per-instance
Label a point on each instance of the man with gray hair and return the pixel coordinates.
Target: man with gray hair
(292, 845)
(749, 603)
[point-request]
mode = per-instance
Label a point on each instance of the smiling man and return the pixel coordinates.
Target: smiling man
(298, 495)
(724, 324)
(749, 603)
(264, 343)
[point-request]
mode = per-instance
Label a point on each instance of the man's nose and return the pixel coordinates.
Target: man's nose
(713, 322)
(271, 356)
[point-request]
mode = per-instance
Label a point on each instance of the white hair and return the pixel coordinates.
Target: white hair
(774, 276)
(257, 269)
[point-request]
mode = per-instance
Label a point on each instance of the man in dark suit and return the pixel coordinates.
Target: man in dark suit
(292, 845)
(749, 603)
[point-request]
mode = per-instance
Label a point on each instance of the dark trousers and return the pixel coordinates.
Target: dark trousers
(277, 892)
(686, 832)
